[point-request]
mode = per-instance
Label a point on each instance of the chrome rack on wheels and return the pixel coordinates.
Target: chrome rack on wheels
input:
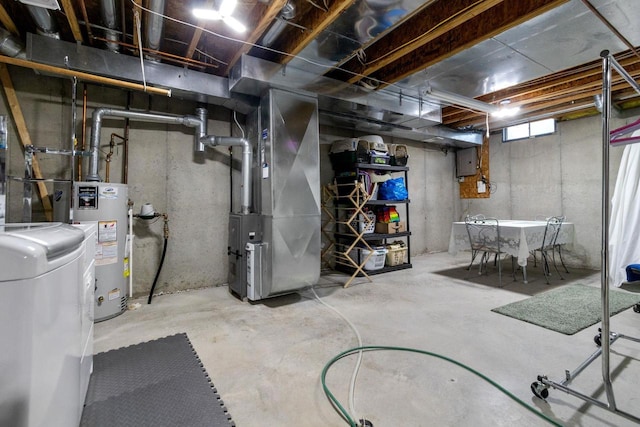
(540, 388)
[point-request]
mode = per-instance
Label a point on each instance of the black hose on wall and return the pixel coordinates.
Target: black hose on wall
(155, 281)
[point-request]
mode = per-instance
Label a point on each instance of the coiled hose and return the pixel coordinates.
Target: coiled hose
(353, 423)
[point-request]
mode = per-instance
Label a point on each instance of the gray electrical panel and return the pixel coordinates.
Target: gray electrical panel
(466, 162)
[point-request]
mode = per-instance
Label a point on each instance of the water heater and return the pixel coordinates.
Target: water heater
(106, 204)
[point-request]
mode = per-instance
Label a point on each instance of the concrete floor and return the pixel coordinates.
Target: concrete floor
(265, 359)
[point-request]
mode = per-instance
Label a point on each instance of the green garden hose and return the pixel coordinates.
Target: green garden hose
(349, 352)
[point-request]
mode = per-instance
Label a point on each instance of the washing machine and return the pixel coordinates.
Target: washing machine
(45, 324)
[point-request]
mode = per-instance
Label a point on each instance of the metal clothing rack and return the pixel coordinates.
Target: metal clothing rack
(540, 388)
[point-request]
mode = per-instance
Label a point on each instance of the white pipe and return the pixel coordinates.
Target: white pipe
(247, 154)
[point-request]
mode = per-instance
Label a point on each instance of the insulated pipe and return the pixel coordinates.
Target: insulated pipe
(199, 122)
(247, 154)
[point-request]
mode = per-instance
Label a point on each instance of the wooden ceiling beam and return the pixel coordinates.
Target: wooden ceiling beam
(496, 20)
(197, 33)
(67, 6)
(566, 91)
(577, 101)
(424, 25)
(8, 23)
(536, 87)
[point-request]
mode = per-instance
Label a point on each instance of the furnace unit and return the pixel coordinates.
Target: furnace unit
(282, 237)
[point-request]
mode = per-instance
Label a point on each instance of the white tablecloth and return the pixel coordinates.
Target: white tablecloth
(517, 237)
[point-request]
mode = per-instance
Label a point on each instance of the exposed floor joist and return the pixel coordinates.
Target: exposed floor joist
(497, 19)
(568, 88)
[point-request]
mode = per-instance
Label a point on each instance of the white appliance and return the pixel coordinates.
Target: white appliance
(108, 205)
(46, 303)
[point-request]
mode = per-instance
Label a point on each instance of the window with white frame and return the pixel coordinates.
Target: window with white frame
(529, 130)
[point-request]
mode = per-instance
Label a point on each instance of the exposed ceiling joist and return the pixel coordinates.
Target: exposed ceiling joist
(497, 19)
(266, 19)
(8, 23)
(67, 6)
(197, 33)
(426, 24)
(465, 47)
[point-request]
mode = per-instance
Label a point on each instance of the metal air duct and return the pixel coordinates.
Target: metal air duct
(44, 21)
(154, 25)
(11, 46)
(184, 83)
(287, 13)
(109, 19)
(388, 111)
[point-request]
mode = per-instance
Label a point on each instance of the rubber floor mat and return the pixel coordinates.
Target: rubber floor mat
(156, 383)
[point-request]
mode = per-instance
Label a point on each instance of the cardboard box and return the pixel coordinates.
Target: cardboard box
(391, 227)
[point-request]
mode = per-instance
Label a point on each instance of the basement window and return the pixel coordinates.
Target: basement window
(529, 130)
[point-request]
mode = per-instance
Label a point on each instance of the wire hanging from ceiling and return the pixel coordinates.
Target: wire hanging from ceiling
(136, 14)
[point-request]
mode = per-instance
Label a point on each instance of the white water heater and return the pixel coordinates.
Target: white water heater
(106, 204)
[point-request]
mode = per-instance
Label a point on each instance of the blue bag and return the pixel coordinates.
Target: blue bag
(393, 189)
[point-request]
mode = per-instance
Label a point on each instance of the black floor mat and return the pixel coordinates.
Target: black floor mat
(156, 383)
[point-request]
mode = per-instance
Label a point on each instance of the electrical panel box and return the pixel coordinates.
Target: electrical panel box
(466, 162)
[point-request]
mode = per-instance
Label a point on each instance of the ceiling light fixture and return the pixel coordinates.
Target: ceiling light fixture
(463, 101)
(224, 14)
(505, 111)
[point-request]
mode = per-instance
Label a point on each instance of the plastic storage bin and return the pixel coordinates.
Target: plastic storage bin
(396, 254)
(363, 225)
(375, 262)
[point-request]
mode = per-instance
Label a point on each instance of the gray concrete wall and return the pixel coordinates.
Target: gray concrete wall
(163, 170)
(558, 174)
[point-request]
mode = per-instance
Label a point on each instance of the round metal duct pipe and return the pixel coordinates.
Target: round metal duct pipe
(154, 26)
(108, 14)
(46, 24)
(11, 46)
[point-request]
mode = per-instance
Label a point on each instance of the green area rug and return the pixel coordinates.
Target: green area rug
(567, 309)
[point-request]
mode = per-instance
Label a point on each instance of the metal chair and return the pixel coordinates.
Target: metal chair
(549, 246)
(484, 237)
(557, 247)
